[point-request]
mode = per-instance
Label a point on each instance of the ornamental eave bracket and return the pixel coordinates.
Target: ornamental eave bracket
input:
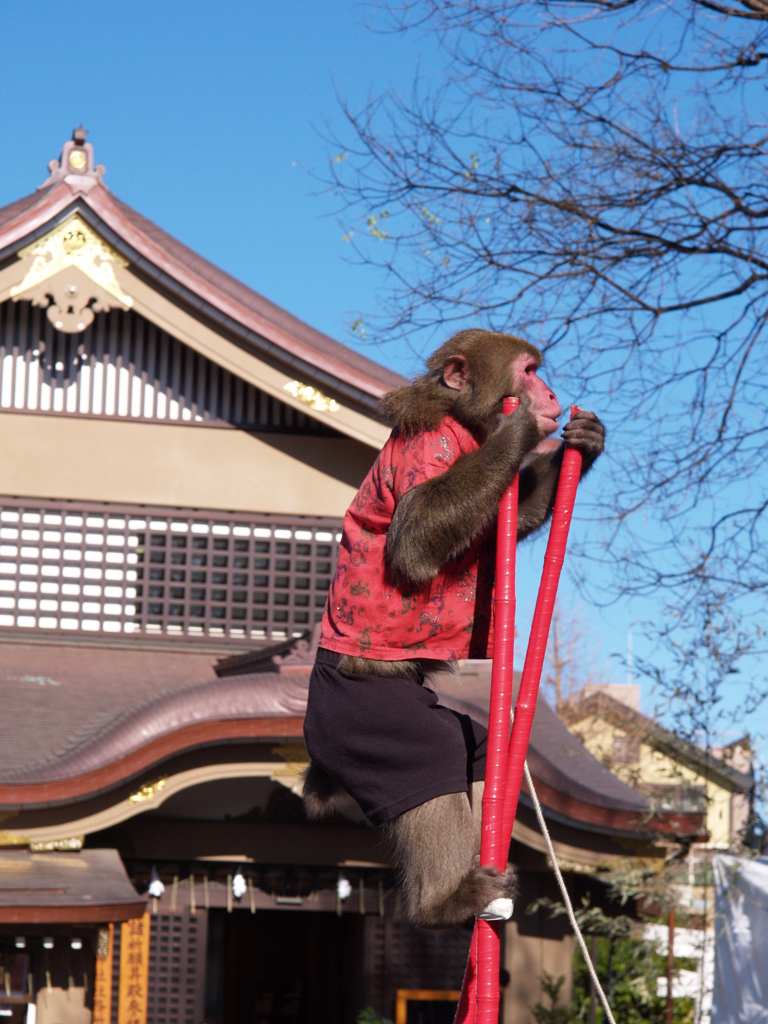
(70, 272)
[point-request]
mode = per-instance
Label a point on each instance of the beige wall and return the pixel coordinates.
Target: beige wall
(526, 957)
(168, 464)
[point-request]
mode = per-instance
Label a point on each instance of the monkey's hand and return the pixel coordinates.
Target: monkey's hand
(539, 477)
(586, 434)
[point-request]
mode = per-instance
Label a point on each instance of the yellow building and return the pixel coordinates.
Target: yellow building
(676, 776)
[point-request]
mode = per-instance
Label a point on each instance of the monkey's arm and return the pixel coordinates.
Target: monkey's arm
(437, 521)
(538, 480)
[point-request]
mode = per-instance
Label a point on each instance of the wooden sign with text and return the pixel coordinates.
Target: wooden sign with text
(102, 986)
(134, 971)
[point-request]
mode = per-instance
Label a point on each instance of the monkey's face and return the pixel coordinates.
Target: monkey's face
(528, 385)
(486, 382)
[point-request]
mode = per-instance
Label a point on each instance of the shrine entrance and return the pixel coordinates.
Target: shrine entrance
(284, 967)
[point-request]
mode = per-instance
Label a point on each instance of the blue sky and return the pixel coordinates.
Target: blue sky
(209, 119)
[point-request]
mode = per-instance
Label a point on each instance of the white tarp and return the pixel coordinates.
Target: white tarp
(741, 941)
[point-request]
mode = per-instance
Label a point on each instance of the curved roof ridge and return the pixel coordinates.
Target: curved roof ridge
(552, 749)
(232, 698)
(19, 206)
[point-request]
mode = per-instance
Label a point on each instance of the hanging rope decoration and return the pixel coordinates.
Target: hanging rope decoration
(479, 1001)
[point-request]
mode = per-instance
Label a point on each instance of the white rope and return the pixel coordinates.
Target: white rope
(566, 897)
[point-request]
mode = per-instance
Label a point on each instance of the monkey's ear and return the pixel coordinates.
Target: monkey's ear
(456, 372)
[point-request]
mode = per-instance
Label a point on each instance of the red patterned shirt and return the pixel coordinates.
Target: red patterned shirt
(366, 614)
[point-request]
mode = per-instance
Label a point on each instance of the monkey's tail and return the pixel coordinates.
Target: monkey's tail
(324, 797)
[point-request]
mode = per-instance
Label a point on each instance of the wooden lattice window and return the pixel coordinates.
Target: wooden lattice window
(177, 953)
(114, 569)
(399, 956)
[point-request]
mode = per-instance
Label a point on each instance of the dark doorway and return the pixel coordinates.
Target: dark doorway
(284, 967)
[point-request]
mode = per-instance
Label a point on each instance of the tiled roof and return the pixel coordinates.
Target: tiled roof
(90, 885)
(555, 756)
(53, 696)
(114, 736)
(15, 209)
(253, 300)
(82, 720)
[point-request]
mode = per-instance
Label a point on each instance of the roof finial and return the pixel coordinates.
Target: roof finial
(75, 166)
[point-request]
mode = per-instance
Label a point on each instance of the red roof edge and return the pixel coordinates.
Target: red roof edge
(106, 777)
(115, 912)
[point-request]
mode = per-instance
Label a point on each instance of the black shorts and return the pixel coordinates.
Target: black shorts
(387, 741)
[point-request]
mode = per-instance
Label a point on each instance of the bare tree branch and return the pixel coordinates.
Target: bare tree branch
(594, 174)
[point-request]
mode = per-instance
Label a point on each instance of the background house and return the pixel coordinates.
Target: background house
(673, 773)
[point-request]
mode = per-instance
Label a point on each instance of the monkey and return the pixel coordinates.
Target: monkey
(412, 595)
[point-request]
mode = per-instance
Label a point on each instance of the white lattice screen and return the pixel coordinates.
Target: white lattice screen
(120, 570)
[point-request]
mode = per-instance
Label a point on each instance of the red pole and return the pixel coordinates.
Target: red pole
(480, 989)
(537, 644)
(469, 1006)
(492, 849)
(466, 1011)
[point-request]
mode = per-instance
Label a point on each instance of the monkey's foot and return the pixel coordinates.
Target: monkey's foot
(498, 910)
(482, 889)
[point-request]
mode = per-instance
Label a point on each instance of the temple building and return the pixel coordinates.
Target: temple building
(178, 454)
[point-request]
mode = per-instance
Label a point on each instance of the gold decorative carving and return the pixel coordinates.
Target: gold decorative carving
(147, 792)
(73, 843)
(72, 275)
(311, 396)
(295, 752)
(296, 760)
(291, 770)
(13, 839)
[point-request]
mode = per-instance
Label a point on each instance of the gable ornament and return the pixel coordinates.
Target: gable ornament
(311, 396)
(76, 166)
(70, 273)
